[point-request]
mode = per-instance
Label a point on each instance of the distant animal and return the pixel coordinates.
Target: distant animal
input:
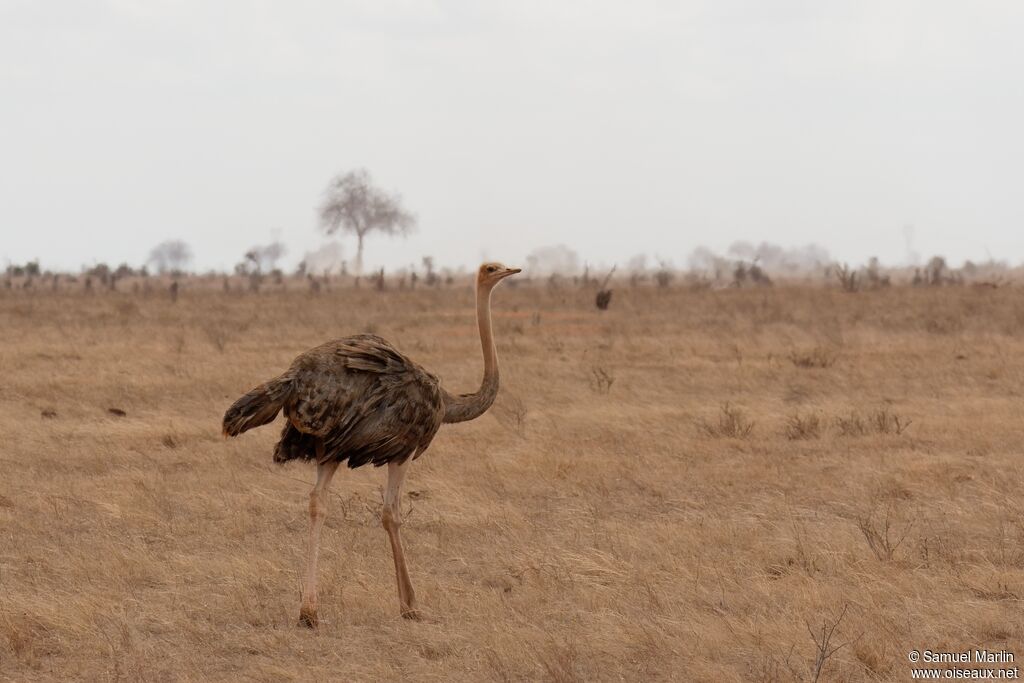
(604, 295)
(361, 401)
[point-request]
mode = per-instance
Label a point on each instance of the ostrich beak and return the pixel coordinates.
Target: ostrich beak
(511, 271)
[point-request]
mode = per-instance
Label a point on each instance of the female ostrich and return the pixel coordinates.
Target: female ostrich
(359, 399)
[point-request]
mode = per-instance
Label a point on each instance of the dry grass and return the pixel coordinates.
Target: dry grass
(730, 423)
(878, 421)
(799, 427)
(583, 531)
(816, 357)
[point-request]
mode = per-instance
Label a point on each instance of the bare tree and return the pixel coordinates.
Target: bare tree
(172, 256)
(353, 204)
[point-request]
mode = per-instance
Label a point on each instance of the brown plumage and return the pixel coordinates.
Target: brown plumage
(359, 400)
(358, 396)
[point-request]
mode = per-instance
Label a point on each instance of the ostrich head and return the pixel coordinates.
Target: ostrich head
(491, 274)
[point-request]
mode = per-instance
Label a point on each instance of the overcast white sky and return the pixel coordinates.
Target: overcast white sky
(613, 127)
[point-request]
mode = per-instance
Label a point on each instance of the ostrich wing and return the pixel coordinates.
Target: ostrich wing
(367, 401)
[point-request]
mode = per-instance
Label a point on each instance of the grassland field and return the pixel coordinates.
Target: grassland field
(688, 487)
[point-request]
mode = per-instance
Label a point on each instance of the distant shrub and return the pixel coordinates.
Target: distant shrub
(744, 274)
(847, 278)
(880, 533)
(732, 423)
(604, 293)
(30, 269)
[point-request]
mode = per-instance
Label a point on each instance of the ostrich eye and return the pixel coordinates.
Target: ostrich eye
(490, 269)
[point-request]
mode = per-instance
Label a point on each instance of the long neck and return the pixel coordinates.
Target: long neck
(471, 406)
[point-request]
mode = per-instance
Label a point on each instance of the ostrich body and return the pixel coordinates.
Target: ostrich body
(359, 400)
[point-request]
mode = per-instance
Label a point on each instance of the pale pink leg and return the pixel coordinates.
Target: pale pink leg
(317, 513)
(392, 518)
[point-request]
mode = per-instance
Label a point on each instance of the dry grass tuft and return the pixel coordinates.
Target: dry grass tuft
(511, 412)
(800, 427)
(879, 421)
(601, 379)
(732, 423)
(884, 421)
(853, 424)
(817, 357)
(880, 531)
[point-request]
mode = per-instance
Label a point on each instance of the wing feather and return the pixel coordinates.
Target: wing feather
(367, 401)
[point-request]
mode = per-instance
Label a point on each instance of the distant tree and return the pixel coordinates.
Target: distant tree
(249, 265)
(353, 204)
(172, 256)
(264, 258)
(935, 271)
(31, 269)
(742, 251)
(272, 253)
(553, 259)
(703, 260)
(326, 259)
(102, 272)
(428, 265)
(664, 274)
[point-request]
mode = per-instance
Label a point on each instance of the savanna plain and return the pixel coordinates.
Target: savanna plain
(792, 483)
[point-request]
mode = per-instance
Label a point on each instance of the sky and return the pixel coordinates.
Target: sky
(872, 128)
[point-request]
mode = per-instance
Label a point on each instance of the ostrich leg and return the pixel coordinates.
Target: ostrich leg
(392, 519)
(317, 513)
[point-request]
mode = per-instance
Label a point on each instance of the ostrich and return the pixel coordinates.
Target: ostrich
(358, 399)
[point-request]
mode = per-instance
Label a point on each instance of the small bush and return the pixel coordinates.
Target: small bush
(880, 533)
(847, 278)
(732, 423)
(800, 427)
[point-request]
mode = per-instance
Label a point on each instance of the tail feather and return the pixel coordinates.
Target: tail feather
(258, 407)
